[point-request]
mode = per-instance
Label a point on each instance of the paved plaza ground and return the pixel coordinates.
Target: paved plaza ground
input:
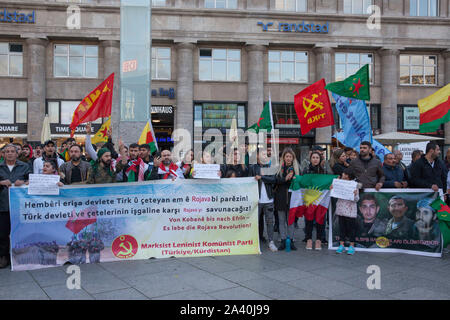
(296, 275)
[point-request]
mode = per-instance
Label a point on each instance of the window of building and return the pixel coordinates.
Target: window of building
(62, 111)
(220, 64)
(75, 61)
(13, 111)
(288, 66)
(218, 116)
(161, 63)
(158, 3)
(347, 64)
(291, 5)
(418, 70)
(356, 6)
(11, 59)
(424, 8)
(221, 4)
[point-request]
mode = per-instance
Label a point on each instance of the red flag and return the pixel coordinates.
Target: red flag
(78, 223)
(313, 107)
(96, 104)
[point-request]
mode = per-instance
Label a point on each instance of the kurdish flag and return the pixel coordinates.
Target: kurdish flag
(102, 133)
(265, 121)
(310, 197)
(148, 137)
(434, 110)
(443, 215)
(355, 86)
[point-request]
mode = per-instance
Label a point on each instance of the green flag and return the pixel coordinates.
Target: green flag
(443, 215)
(265, 121)
(355, 86)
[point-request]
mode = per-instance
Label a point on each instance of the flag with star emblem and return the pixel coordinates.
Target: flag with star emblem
(102, 133)
(313, 107)
(265, 121)
(355, 86)
(443, 215)
(96, 104)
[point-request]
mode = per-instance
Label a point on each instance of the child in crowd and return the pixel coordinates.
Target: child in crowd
(347, 212)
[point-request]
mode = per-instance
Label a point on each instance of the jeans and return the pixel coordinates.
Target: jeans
(285, 230)
(347, 228)
(5, 228)
(266, 210)
(320, 230)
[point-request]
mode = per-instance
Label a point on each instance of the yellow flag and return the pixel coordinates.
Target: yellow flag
(101, 135)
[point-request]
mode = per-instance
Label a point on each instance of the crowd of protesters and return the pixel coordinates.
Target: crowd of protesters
(137, 163)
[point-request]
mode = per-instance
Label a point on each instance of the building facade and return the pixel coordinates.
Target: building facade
(215, 60)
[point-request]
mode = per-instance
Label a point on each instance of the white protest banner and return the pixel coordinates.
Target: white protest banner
(206, 171)
(43, 184)
(343, 189)
(408, 148)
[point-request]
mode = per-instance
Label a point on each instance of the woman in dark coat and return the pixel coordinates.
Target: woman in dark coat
(339, 162)
(288, 169)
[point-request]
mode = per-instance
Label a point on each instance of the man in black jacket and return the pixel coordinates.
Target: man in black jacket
(366, 168)
(265, 203)
(429, 171)
(12, 172)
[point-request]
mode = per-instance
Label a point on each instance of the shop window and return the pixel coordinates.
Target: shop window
(424, 8)
(347, 64)
(75, 61)
(219, 116)
(160, 63)
(11, 59)
(291, 5)
(357, 6)
(220, 65)
(13, 111)
(288, 66)
(221, 4)
(418, 70)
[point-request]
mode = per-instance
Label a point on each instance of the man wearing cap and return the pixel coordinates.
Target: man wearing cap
(102, 171)
(49, 154)
(399, 226)
(12, 172)
(426, 227)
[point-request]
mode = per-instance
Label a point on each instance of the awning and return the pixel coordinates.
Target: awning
(401, 137)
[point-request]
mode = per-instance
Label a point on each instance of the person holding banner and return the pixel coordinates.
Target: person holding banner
(347, 212)
(429, 171)
(12, 172)
(394, 174)
(366, 168)
(288, 168)
(76, 170)
(266, 195)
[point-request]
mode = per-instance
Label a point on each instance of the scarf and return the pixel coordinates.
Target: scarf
(96, 164)
(136, 165)
(172, 170)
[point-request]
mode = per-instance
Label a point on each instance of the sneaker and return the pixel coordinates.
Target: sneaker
(309, 244)
(351, 250)
(340, 249)
(282, 245)
(4, 262)
(293, 247)
(318, 245)
(272, 247)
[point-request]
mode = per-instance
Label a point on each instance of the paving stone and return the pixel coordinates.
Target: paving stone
(22, 291)
(158, 285)
(50, 276)
(61, 292)
(8, 277)
(242, 293)
(101, 282)
(122, 294)
(196, 295)
(213, 265)
(363, 294)
(322, 286)
(286, 274)
(271, 288)
(420, 294)
(240, 275)
(335, 272)
(206, 281)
